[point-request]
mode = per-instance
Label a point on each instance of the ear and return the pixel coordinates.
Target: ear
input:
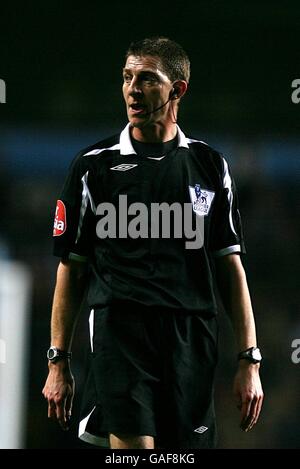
(179, 89)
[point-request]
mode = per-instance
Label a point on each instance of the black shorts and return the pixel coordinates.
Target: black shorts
(152, 373)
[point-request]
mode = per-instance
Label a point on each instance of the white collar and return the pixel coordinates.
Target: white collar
(126, 147)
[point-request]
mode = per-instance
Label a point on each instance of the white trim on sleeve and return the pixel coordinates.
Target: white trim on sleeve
(228, 250)
(85, 198)
(77, 257)
(227, 182)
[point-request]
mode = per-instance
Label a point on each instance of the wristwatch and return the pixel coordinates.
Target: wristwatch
(54, 354)
(252, 354)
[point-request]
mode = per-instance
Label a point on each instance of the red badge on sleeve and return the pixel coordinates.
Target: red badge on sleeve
(60, 220)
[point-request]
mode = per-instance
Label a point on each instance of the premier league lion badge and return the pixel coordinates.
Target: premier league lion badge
(201, 199)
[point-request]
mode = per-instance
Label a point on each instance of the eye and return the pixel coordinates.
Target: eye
(149, 79)
(127, 78)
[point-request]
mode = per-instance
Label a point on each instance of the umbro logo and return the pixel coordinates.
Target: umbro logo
(201, 429)
(123, 167)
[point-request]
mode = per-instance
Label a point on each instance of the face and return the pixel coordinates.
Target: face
(145, 88)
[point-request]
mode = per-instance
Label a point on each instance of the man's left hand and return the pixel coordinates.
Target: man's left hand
(248, 393)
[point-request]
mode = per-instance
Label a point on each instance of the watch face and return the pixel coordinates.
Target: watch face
(52, 353)
(256, 354)
(252, 354)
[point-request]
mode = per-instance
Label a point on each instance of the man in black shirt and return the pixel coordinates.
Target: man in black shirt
(144, 220)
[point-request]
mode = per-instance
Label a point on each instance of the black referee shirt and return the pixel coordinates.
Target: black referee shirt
(149, 270)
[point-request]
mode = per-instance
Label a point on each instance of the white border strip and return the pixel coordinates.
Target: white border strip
(97, 151)
(91, 326)
(227, 182)
(94, 440)
(229, 250)
(77, 257)
(88, 437)
(86, 196)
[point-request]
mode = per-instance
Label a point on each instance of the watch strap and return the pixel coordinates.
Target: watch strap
(251, 354)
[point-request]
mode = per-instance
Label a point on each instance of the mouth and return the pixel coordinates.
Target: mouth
(137, 108)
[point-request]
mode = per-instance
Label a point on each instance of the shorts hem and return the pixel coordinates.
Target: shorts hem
(94, 439)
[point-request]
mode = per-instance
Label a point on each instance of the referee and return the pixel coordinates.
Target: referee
(148, 224)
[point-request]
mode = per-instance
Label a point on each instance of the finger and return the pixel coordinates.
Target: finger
(261, 400)
(68, 411)
(51, 410)
(245, 423)
(258, 409)
(61, 413)
(69, 405)
(255, 413)
(245, 411)
(252, 414)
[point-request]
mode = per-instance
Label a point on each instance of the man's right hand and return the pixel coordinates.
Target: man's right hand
(59, 391)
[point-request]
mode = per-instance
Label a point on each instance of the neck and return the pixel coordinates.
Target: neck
(155, 133)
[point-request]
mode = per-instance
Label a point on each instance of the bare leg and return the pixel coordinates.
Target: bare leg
(131, 442)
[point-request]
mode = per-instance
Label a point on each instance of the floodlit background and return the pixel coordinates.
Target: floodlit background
(62, 67)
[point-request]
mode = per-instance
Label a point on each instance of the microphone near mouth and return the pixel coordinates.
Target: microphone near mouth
(173, 95)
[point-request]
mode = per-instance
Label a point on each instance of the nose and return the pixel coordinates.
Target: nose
(134, 88)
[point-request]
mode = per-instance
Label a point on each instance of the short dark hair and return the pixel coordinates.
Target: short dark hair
(174, 59)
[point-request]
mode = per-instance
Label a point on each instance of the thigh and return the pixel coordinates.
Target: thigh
(131, 442)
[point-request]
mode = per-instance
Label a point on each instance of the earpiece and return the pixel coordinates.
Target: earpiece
(174, 94)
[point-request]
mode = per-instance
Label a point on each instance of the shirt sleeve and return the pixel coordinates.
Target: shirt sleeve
(227, 232)
(74, 219)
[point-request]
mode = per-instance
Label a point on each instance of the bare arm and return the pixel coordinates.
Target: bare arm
(67, 301)
(235, 295)
(68, 296)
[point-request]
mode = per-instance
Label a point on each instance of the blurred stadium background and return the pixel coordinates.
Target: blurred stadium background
(62, 68)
